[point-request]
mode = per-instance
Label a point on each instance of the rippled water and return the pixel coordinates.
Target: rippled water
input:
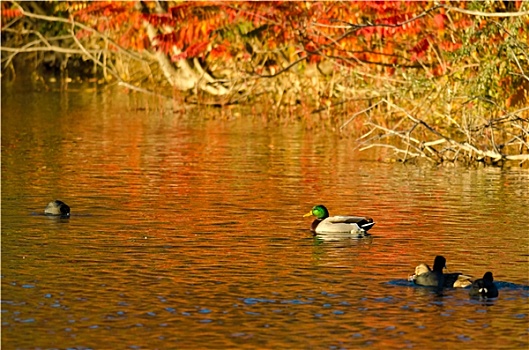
(187, 232)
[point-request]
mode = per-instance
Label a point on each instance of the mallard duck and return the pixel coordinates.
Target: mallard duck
(337, 224)
(484, 287)
(425, 276)
(57, 208)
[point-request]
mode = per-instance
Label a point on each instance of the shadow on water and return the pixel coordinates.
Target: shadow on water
(506, 286)
(342, 237)
(510, 289)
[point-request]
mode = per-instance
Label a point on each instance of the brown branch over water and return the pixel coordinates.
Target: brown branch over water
(453, 150)
(80, 25)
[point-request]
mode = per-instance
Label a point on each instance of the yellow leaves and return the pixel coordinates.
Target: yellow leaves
(204, 29)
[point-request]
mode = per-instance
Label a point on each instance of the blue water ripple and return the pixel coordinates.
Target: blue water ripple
(28, 320)
(464, 337)
(295, 302)
(252, 301)
(253, 313)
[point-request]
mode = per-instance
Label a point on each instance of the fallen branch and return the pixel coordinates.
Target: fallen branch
(454, 150)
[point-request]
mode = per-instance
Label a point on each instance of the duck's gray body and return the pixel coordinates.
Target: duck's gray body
(342, 224)
(424, 276)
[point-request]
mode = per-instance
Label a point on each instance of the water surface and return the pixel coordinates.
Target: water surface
(187, 232)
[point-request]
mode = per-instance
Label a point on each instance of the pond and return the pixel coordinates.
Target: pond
(187, 231)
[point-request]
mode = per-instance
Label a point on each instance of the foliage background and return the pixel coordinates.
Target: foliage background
(442, 81)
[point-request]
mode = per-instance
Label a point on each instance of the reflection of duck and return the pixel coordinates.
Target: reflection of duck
(484, 287)
(425, 276)
(57, 208)
(338, 224)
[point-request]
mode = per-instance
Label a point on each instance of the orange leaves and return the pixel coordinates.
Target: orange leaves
(117, 19)
(192, 41)
(419, 50)
(449, 46)
(190, 27)
(204, 30)
(388, 33)
(99, 10)
(221, 50)
(439, 20)
(197, 49)
(10, 13)
(165, 42)
(179, 12)
(160, 20)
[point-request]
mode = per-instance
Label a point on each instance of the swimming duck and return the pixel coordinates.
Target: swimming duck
(484, 287)
(425, 276)
(337, 224)
(57, 208)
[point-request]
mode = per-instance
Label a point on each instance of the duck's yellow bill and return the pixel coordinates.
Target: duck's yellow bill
(308, 214)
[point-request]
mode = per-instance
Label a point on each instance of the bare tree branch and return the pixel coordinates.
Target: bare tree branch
(485, 14)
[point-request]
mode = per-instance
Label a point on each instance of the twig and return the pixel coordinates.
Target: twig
(282, 70)
(485, 14)
(94, 59)
(396, 149)
(358, 113)
(45, 48)
(80, 25)
(427, 150)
